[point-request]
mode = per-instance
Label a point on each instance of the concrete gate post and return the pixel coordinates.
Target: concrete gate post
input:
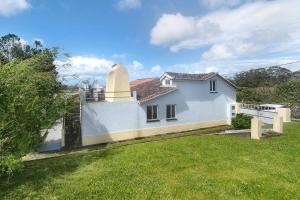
(285, 113)
(256, 128)
(278, 124)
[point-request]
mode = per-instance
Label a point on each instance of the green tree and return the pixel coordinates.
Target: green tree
(29, 101)
(289, 92)
(12, 48)
(38, 43)
(262, 77)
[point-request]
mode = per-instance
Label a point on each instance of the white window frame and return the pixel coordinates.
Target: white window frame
(171, 105)
(213, 85)
(157, 111)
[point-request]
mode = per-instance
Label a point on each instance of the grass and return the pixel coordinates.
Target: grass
(192, 167)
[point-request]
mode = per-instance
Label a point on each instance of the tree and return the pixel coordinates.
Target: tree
(38, 43)
(289, 92)
(29, 100)
(12, 48)
(262, 77)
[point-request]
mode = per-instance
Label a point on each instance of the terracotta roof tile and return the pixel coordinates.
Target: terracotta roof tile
(140, 81)
(150, 89)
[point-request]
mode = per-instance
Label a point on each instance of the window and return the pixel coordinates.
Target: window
(233, 111)
(171, 111)
(167, 82)
(213, 86)
(152, 111)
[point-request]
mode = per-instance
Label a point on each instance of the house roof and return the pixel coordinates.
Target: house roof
(140, 81)
(149, 89)
(198, 77)
(185, 76)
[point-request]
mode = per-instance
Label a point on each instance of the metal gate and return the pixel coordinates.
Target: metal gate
(72, 127)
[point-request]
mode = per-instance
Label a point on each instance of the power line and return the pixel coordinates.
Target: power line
(298, 61)
(276, 65)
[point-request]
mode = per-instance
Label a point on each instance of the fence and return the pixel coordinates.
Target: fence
(94, 96)
(265, 113)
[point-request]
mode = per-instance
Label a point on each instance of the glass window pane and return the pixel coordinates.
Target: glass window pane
(168, 111)
(149, 112)
(154, 115)
(173, 111)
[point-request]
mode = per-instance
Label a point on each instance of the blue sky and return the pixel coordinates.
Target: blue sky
(150, 37)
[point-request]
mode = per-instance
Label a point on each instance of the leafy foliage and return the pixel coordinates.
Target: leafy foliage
(241, 121)
(247, 96)
(12, 47)
(263, 85)
(29, 102)
(262, 77)
(289, 91)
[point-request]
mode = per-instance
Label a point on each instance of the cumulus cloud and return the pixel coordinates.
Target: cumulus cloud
(171, 29)
(260, 27)
(230, 67)
(156, 69)
(129, 4)
(83, 67)
(137, 65)
(12, 7)
(78, 68)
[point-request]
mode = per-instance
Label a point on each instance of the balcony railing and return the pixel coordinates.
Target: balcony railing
(102, 96)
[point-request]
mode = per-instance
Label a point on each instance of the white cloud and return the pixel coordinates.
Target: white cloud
(78, 68)
(156, 69)
(260, 27)
(129, 4)
(84, 67)
(12, 7)
(229, 67)
(220, 3)
(170, 29)
(137, 65)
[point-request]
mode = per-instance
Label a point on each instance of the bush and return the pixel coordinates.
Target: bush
(289, 92)
(29, 101)
(241, 121)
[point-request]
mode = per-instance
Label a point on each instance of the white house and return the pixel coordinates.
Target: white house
(174, 102)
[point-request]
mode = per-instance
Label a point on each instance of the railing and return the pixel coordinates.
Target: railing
(258, 107)
(102, 96)
(265, 113)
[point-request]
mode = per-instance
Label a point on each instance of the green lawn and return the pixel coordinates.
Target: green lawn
(192, 167)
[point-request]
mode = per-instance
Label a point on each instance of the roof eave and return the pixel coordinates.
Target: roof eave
(154, 97)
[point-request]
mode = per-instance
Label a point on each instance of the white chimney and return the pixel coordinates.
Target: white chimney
(117, 85)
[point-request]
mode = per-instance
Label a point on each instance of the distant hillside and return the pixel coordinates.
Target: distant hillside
(263, 77)
(296, 74)
(264, 85)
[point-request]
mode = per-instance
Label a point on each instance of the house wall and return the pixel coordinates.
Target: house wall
(196, 108)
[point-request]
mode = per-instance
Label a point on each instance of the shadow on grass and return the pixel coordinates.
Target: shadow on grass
(36, 174)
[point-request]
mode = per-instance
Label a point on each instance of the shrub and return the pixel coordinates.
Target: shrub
(289, 92)
(29, 101)
(241, 121)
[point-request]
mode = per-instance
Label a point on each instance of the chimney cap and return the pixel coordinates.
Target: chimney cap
(114, 65)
